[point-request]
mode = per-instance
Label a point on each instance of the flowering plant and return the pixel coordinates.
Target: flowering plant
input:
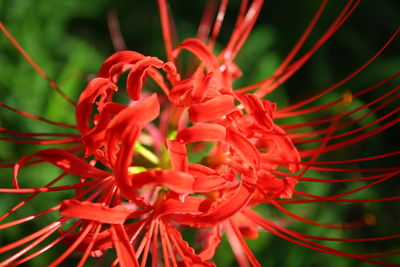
(187, 150)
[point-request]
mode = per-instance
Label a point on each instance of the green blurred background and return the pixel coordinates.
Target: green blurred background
(69, 39)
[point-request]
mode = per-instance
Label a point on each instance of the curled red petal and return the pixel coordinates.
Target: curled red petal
(134, 117)
(247, 151)
(287, 149)
(180, 94)
(94, 139)
(192, 205)
(117, 63)
(256, 107)
(207, 183)
(201, 84)
(141, 113)
(134, 82)
(94, 211)
(120, 152)
(178, 182)
(212, 245)
(211, 215)
(121, 136)
(199, 169)
(172, 74)
(228, 207)
(212, 109)
(98, 87)
(247, 228)
(205, 55)
(276, 187)
(178, 155)
(202, 132)
(123, 157)
(186, 252)
(63, 160)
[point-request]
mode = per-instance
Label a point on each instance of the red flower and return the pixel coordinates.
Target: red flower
(137, 186)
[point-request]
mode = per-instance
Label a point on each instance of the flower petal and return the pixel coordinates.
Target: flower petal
(247, 151)
(202, 132)
(134, 82)
(192, 205)
(256, 107)
(121, 136)
(178, 155)
(210, 215)
(180, 94)
(199, 169)
(207, 183)
(227, 208)
(94, 211)
(63, 160)
(94, 139)
(287, 149)
(134, 117)
(186, 252)
(118, 63)
(273, 186)
(178, 182)
(212, 245)
(98, 87)
(201, 84)
(212, 109)
(205, 55)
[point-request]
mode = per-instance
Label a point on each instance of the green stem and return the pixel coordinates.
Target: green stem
(147, 154)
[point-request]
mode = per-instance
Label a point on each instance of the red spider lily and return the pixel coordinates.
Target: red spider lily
(137, 187)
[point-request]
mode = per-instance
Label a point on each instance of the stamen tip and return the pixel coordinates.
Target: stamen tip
(369, 219)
